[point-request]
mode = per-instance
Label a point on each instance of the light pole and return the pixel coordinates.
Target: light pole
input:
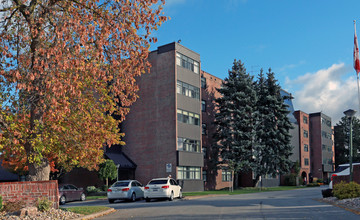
(350, 114)
(117, 169)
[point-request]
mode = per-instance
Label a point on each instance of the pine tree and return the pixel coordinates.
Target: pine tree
(272, 146)
(235, 131)
(341, 140)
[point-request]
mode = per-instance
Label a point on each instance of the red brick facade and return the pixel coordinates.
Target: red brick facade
(30, 191)
(209, 94)
(304, 145)
(150, 127)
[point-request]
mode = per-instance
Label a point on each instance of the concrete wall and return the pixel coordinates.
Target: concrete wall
(192, 185)
(190, 159)
(270, 182)
(30, 191)
(193, 159)
(294, 132)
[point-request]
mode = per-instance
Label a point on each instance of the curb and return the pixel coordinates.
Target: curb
(203, 196)
(96, 215)
(350, 209)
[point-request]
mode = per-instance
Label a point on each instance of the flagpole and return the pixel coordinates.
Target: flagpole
(355, 66)
(358, 88)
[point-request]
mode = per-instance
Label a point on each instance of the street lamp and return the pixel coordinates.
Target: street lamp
(350, 114)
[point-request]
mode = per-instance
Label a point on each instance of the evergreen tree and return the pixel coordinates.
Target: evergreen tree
(272, 146)
(235, 127)
(341, 140)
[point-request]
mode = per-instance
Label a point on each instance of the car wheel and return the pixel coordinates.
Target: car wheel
(171, 198)
(133, 197)
(62, 200)
(82, 197)
(180, 194)
(147, 200)
(111, 200)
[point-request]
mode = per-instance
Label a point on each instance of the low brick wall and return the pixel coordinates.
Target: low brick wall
(30, 191)
(356, 176)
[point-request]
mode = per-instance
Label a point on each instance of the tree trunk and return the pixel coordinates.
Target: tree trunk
(236, 179)
(39, 172)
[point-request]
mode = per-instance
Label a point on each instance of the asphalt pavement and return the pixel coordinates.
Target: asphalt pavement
(291, 204)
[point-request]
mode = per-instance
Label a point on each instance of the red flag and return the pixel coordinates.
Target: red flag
(356, 53)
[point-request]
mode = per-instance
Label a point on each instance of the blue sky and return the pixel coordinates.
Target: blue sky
(308, 44)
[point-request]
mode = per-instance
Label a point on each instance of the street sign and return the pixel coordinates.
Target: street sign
(168, 167)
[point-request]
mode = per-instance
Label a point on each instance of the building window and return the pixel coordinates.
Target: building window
(187, 62)
(203, 82)
(188, 173)
(204, 175)
(204, 129)
(203, 105)
(226, 175)
(305, 119)
(188, 117)
(306, 161)
(326, 122)
(323, 147)
(325, 134)
(306, 134)
(185, 144)
(187, 90)
(306, 148)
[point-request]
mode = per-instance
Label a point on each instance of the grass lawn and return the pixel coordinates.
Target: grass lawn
(86, 210)
(95, 197)
(242, 191)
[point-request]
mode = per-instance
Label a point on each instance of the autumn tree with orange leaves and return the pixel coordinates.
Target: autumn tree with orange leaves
(67, 67)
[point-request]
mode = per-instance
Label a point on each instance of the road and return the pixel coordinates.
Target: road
(292, 204)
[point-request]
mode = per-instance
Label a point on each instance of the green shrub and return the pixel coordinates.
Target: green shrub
(1, 204)
(290, 179)
(345, 190)
(92, 189)
(105, 188)
(13, 206)
(319, 181)
(43, 204)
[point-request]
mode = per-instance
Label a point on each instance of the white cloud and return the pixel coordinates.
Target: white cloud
(327, 90)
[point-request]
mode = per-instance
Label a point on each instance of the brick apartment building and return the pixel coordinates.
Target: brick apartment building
(163, 128)
(213, 178)
(321, 145)
(304, 144)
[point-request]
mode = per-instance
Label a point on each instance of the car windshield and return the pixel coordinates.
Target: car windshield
(340, 168)
(120, 184)
(153, 182)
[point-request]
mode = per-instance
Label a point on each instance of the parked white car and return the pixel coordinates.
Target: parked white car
(341, 170)
(125, 190)
(162, 188)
